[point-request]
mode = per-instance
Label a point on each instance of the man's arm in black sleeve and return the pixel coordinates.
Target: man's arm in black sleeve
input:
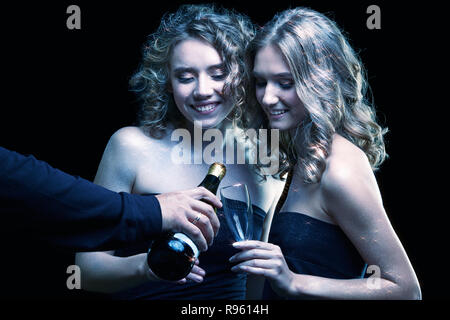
(70, 211)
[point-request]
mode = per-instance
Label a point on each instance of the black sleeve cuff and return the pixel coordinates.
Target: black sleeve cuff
(146, 218)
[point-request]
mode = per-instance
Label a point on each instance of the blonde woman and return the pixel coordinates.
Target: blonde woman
(193, 73)
(311, 85)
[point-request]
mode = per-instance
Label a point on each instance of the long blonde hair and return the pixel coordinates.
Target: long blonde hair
(331, 82)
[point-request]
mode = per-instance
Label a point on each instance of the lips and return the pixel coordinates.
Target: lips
(205, 108)
(277, 114)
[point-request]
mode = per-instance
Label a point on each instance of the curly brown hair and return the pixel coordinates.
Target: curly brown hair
(227, 31)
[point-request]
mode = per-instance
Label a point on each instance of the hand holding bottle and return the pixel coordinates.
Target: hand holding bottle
(180, 208)
(172, 256)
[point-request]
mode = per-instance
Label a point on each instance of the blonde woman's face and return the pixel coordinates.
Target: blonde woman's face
(197, 79)
(275, 89)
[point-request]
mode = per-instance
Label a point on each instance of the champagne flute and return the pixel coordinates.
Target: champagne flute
(238, 211)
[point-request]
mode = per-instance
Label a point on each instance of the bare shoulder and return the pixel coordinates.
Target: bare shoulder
(348, 177)
(133, 142)
(346, 162)
(125, 150)
(127, 137)
(133, 148)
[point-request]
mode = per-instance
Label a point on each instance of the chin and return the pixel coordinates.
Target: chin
(208, 123)
(279, 126)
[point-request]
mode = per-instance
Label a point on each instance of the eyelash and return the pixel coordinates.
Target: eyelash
(286, 85)
(216, 77)
(185, 79)
(283, 85)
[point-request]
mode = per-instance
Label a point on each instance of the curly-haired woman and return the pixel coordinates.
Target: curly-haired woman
(332, 225)
(193, 74)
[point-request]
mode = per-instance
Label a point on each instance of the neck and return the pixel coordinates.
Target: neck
(203, 142)
(197, 131)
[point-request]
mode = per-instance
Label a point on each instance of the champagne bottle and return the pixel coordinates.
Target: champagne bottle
(172, 256)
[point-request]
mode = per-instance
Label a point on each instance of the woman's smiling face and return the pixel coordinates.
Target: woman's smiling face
(275, 89)
(197, 78)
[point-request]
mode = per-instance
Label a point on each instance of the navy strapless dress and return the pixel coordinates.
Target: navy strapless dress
(313, 247)
(219, 283)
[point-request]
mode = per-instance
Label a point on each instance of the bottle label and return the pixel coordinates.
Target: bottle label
(190, 243)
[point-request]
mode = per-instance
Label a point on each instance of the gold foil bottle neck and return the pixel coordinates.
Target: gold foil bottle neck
(217, 169)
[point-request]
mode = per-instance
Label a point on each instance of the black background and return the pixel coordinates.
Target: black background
(64, 92)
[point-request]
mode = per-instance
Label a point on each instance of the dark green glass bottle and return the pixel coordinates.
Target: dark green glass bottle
(172, 256)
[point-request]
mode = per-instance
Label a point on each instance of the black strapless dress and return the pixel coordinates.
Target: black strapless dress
(313, 247)
(219, 283)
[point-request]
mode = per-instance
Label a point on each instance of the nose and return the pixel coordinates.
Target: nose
(270, 96)
(204, 88)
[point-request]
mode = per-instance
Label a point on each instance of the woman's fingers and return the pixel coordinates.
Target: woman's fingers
(253, 244)
(262, 267)
(259, 258)
(251, 254)
(197, 274)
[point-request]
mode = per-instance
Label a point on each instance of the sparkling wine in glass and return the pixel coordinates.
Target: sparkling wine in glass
(238, 211)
